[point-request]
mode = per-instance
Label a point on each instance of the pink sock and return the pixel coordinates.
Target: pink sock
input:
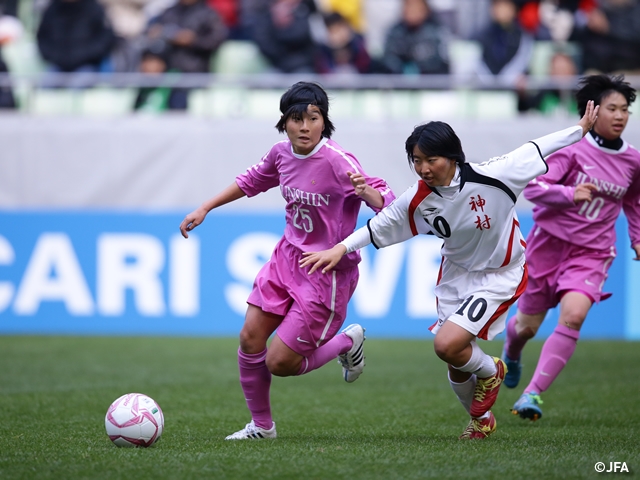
(555, 354)
(514, 344)
(338, 345)
(255, 379)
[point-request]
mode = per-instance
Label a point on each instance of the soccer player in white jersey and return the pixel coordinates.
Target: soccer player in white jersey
(323, 186)
(572, 243)
(471, 207)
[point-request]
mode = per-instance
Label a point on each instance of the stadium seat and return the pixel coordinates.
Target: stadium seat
(263, 103)
(464, 55)
(54, 102)
(22, 94)
(219, 102)
(540, 57)
(370, 104)
(435, 105)
(343, 103)
(238, 57)
(22, 56)
(374, 104)
(544, 50)
(106, 101)
(402, 103)
(491, 105)
(199, 103)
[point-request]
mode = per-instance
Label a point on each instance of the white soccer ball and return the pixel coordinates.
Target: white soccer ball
(134, 420)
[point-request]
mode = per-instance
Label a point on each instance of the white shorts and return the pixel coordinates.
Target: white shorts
(477, 301)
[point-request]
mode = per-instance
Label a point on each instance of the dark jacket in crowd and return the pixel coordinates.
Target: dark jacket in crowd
(417, 50)
(209, 29)
(289, 49)
(353, 57)
(6, 93)
(619, 50)
(74, 33)
(506, 51)
(7, 7)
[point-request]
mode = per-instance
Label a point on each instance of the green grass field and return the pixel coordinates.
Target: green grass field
(400, 420)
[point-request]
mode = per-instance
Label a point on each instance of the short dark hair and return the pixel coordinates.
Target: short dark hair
(334, 18)
(435, 139)
(157, 49)
(296, 100)
(597, 87)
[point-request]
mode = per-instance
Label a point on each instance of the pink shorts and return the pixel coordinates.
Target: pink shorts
(314, 306)
(557, 267)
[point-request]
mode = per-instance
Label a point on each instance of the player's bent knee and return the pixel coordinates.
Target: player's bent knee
(281, 367)
(527, 325)
(528, 332)
(444, 350)
(573, 322)
(251, 343)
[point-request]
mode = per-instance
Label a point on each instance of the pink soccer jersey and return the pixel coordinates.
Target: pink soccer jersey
(616, 173)
(321, 204)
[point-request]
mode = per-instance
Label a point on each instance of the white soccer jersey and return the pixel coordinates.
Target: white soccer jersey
(475, 216)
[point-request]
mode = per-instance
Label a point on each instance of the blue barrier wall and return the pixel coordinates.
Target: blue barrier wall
(108, 273)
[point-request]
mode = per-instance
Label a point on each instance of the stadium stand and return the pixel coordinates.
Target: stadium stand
(231, 93)
(238, 57)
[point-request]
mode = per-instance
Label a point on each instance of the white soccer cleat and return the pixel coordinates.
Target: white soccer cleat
(253, 432)
(353, 361)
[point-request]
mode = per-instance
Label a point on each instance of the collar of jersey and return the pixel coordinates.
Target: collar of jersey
(590, 138)
(455, 183)
(320, 144)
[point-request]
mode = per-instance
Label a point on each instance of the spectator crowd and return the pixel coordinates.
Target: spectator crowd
(330, 36)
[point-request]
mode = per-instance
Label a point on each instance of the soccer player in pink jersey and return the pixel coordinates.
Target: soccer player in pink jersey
(572, 242)
(323, 186)
(471, 207)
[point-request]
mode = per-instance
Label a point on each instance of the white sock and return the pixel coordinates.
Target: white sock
(480, 363)
(464, 391)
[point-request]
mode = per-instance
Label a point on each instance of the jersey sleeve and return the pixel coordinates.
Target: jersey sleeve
(547, 190)
(631, 207)
(389, 226)
(260, 177)
(357, 240)
(392, 224)
(352, 165)
(557, 140)
(385, 190)
(515, 169)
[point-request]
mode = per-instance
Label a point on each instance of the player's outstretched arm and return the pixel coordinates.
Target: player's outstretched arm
(637, 250)
(589, 118)
(195, 218)
(555, 141)
(324, 258)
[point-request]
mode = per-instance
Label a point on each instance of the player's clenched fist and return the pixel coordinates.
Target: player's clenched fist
(583, 193)
(358, 181)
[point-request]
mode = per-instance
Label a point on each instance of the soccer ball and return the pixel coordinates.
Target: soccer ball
(134, 420)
